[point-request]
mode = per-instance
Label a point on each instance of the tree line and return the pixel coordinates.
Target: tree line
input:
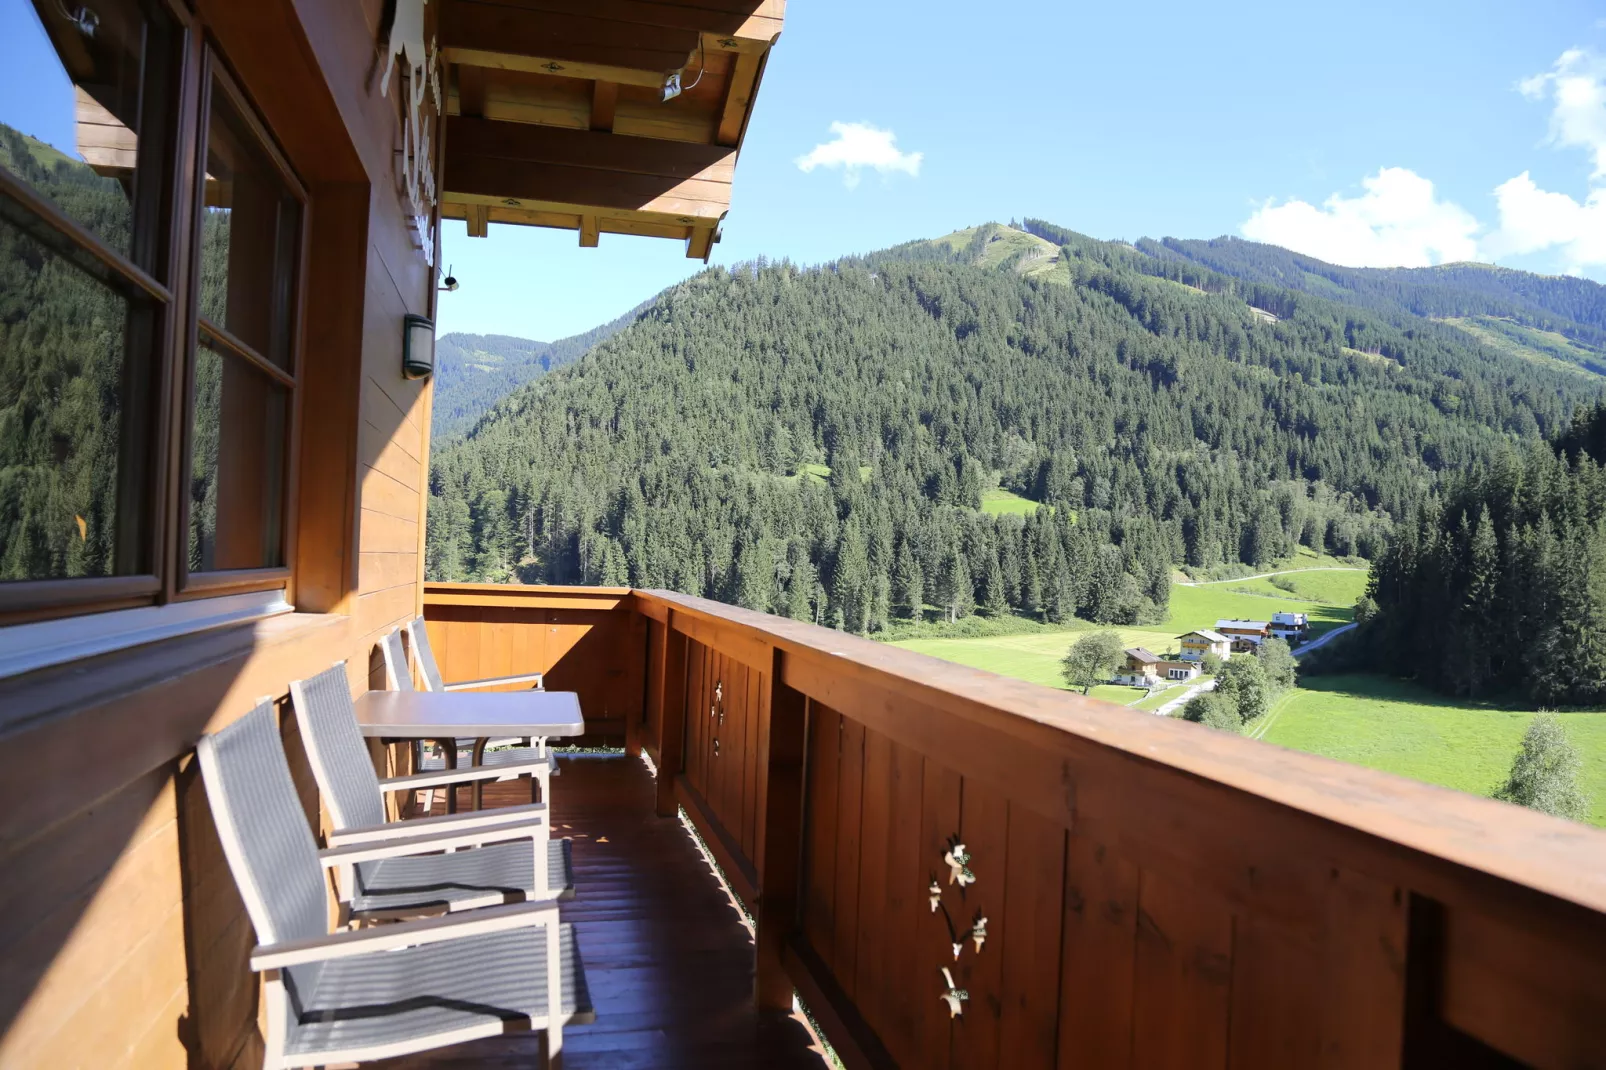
(819, 442)
(1498, 585)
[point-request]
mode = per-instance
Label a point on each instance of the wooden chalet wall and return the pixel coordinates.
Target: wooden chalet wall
(124, 940)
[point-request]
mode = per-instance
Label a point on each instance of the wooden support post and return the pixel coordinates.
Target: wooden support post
(604, 99)
(781, 866)
(672, 726)
(588, 232)
(478, 219)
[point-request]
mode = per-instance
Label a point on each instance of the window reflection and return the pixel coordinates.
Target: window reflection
(72, 485)
(249, 232)
(236, 464)
(90, 169)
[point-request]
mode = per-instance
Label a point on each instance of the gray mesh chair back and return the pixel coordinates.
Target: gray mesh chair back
(397, 676)
(418, 636)
(266, 839)
(339, 756)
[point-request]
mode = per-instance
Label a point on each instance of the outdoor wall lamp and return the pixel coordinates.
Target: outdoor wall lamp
(418, 347)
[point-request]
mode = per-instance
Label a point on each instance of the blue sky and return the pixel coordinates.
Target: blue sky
(1367, 133)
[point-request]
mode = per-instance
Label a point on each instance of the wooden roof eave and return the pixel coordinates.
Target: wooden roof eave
(565, 165)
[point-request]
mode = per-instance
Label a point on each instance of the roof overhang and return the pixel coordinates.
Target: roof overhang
(555, 114)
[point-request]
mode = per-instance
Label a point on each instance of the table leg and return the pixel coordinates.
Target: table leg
(479, 759)
(449, 749)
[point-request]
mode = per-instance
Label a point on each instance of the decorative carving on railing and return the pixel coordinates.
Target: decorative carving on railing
(955, 997)
(716, 710)
(957, 859)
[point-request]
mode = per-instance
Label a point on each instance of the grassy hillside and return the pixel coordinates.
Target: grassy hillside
(1036, 656)
(1402, 728)
(1548, 348)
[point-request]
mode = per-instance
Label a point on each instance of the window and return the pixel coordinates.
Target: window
(247, 239)
(148, 326)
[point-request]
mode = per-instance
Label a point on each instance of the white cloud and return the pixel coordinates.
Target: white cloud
(857, 146)
(1533, 220)
(1577, 83)
(1398, 222)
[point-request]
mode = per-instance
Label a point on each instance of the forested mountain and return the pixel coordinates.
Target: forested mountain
(475, 371)
(1499, 585)
(1572, 307)
(818, 442)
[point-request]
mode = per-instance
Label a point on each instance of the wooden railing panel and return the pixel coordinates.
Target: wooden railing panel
(726, 710)
(1156, 894)
(593, 646)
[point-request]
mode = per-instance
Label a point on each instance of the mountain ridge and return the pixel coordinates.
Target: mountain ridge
(705, 446)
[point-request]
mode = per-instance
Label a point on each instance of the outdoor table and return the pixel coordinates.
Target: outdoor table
(446, 716)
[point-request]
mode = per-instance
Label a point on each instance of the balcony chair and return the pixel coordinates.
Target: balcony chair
(388, 990)
(506, 751)
(534, 867)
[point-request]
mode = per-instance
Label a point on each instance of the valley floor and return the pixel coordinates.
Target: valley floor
(1373, 721)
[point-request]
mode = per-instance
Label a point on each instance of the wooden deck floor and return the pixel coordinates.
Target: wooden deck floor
(668, 959)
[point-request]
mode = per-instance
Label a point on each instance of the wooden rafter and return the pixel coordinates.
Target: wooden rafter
(556, 117)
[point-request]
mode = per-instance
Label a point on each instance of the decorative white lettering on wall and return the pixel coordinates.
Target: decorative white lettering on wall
(421, 106)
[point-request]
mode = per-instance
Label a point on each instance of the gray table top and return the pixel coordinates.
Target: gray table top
(451, 714)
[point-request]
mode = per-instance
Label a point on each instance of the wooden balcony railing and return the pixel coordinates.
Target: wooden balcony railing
(1154, 893)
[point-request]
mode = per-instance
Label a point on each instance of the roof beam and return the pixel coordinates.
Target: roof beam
(604, 99)
(513, 163)
(493, 35)
(744, 20)
(738, 98)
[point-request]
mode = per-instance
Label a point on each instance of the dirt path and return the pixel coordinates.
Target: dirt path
(1267, 575)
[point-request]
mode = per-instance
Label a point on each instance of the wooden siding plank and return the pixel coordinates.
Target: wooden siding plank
(1098, 960)
(1276, 995)
(758, 768)
(941, 791)
(850, 790)
(819, 905)
(1364, 1000)
(380, 533)
(984, 827)
(1034, 910)
(905, 983)
(1183, 982)
(875, 831)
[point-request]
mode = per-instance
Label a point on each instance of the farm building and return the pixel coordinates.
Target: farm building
(1195, 645)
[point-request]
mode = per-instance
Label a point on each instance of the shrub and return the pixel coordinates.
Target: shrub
(1544, 776)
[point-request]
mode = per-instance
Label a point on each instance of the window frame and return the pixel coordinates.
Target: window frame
(183, 584)
(180, 109)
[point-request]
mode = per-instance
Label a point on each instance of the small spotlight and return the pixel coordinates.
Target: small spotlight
(449, 283)
(671, 85)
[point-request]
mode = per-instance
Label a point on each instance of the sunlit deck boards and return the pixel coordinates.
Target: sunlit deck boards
(669, 962)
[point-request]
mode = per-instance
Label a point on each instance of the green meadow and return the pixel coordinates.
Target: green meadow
(1381, 723)
(1397, 726)
(1036, 656)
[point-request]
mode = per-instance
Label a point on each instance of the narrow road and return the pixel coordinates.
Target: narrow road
(1182, 699)
(1267, 575)
(1321, 640)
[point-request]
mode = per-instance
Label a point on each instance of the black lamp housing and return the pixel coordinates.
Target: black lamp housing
(418, 347)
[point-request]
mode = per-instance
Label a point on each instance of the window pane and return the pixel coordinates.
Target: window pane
(236, 465)
(97, 69)
(72, 447)
(248, 237)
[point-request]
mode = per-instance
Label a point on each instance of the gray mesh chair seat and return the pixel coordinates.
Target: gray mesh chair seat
(355, 796)
(492, 984)
(495, 873)
(383, 990)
